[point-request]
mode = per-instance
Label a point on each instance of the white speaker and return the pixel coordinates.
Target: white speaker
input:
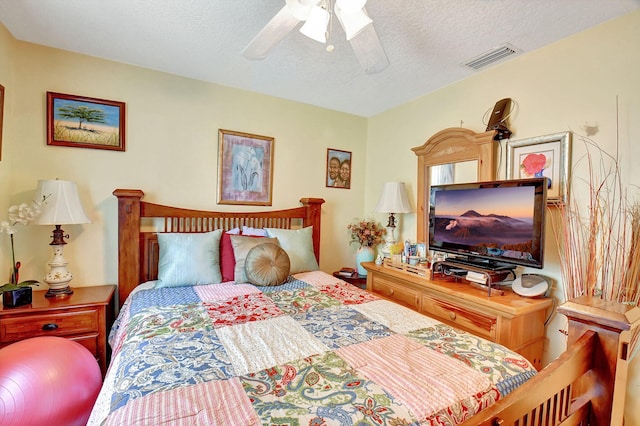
(531, 285)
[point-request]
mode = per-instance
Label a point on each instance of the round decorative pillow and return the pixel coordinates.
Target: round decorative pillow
(267, 265)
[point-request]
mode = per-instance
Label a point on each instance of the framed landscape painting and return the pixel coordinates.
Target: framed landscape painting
(245, 168)
(82, 122)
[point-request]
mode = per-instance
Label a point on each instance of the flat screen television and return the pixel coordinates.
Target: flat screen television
(490, 224)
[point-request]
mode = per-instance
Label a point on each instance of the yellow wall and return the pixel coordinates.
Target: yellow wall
(171, 153)
(6, 80)
(563, 87)
(172, 125)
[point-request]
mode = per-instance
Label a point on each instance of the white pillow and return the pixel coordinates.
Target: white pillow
(189, 258)
(255, 232)
(298, 244)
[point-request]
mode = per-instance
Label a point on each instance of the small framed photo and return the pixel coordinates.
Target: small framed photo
(338, 168)
(83, 122)
(245, 168)
(548, 156)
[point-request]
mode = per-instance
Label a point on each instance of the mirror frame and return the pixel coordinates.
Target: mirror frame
(452, 145)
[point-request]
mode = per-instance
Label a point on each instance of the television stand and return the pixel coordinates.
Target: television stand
(480, 274)
(480, 264)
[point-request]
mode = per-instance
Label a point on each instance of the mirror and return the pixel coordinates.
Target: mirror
(457, 154)
(463, 172)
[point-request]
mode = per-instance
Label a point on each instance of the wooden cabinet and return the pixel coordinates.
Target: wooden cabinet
(84, 316)
(514, 321)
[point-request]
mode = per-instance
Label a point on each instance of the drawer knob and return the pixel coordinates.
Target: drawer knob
(390, 292)
(452, 315)
(49, 327)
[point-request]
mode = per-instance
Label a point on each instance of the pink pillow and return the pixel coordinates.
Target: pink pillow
(227, 259)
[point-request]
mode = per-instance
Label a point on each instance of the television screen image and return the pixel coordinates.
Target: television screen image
(499, 222)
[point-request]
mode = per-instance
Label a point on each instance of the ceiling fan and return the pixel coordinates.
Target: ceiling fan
(317, 16)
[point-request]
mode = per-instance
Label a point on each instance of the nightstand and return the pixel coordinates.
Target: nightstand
(358, 281)
(84, 316)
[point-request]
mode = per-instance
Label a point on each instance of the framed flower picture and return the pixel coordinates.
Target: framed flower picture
(245, 168)
(543, 156)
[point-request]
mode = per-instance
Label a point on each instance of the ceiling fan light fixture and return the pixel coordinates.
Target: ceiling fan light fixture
(352, 22)
(350, 6)
(316, 25)
(301, 8)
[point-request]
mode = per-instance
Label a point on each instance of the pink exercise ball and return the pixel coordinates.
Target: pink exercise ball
(47, 381)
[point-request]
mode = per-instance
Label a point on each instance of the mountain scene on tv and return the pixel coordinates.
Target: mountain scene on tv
(494, 221)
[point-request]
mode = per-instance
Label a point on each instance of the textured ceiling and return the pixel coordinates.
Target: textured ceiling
(426, 41)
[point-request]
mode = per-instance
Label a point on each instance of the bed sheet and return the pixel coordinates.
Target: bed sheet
(313, 351)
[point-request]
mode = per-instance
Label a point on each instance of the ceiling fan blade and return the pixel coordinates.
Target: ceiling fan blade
(277, 28)
(369, 51)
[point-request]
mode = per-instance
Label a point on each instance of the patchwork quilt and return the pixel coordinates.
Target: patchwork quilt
(313, 351)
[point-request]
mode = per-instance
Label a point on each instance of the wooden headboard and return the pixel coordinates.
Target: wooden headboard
(140, 221)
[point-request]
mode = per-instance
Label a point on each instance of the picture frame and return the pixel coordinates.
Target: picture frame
(1, 116)
(338, 170)
(245, 168)
(548, 156)
(84, 122)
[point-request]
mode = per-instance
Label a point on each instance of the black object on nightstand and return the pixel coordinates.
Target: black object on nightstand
(356, 280)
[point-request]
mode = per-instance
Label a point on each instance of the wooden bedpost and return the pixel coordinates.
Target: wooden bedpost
(128, 240)
(313, 219)
(616, 325)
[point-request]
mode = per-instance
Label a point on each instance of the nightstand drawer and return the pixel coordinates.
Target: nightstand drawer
(90, 342)
(478, 323)
(403, 295)
(51, 324)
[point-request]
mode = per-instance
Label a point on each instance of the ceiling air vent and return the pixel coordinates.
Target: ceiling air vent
(492, 56)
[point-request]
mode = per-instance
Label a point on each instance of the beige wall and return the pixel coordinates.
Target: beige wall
(172, 131)
(6, 80)
(172, 141)
(567, 86)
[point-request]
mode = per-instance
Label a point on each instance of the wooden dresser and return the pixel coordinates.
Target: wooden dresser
(84, 316)
(514, 321)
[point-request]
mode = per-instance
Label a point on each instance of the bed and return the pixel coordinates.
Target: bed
(312, 349)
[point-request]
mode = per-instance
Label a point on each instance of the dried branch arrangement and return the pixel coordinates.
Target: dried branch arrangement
(599, 241)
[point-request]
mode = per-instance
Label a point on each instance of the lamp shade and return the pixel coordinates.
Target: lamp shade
(394, 199)
(62, 206)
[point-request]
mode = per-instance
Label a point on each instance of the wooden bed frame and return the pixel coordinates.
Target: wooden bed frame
(138, 241)
(586, 385)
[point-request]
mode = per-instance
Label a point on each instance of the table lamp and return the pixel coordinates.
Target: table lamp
(62, 207)
(393, 200)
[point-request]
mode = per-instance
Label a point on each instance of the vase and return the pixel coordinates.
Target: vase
(364, 254)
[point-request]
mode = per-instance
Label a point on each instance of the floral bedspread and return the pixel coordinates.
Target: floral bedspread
(313, 351)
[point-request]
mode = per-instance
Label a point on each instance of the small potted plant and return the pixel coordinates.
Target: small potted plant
(15, 292)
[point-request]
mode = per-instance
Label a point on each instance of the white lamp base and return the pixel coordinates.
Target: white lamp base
(58, 277)
(389, 241)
